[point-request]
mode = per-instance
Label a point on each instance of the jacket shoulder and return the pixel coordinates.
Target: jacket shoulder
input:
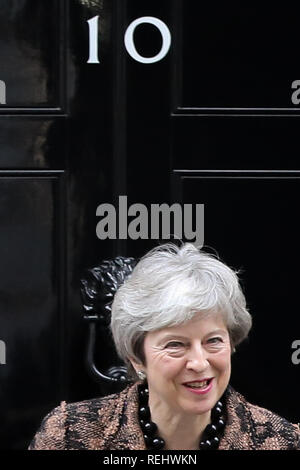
(89, 409)
(51, 433)
(71, 425)
(265, 429)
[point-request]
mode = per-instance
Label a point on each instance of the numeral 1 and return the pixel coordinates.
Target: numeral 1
(93, 40)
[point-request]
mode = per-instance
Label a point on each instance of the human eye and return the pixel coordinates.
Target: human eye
(216, 340)
(174, 344)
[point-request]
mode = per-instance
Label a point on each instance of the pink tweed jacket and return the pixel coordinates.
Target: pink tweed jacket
(111, 423)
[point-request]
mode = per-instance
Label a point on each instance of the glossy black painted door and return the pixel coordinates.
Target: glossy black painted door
(55, 167)
(217, 122)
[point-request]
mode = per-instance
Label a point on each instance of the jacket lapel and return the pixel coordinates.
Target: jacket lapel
(237, 435)
(129, 435)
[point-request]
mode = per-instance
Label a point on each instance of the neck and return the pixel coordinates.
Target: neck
(165, 427)
(172, 426)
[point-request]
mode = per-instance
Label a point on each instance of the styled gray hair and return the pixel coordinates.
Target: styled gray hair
(168, 287)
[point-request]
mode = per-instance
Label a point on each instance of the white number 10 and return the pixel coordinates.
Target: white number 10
(129, 41)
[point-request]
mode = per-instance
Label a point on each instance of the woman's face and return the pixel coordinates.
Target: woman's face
(188, 366)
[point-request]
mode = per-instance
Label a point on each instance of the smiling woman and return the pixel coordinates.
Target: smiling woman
(188, 370)
(175, 322)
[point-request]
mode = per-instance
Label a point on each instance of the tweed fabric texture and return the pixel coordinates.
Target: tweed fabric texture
(111, 423)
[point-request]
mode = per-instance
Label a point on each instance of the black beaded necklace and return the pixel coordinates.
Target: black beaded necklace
(211, 435)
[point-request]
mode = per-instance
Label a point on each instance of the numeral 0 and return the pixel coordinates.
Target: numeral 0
(129, 41)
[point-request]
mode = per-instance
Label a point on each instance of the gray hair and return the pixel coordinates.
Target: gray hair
(168, 287)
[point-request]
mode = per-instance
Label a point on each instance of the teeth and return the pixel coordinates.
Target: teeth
(202, 384)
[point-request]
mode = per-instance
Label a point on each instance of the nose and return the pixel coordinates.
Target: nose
(197, 359)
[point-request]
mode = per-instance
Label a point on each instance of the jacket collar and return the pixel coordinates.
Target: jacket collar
(238, 421)
(129, 435)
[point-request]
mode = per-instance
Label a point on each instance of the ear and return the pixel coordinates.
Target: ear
(136, 365)
(233, 350)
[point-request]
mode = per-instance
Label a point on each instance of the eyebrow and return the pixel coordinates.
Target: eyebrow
(216, 332)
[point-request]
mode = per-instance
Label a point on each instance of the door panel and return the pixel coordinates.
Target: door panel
(235, 142)
(235, 55)
(32, 142)
(30, 52)
(30, 301)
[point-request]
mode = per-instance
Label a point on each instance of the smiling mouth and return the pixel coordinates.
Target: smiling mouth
(199, 385)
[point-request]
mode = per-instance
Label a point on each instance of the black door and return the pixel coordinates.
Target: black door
(159, 101)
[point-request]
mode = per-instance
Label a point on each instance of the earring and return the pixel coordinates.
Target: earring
(141, 375)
